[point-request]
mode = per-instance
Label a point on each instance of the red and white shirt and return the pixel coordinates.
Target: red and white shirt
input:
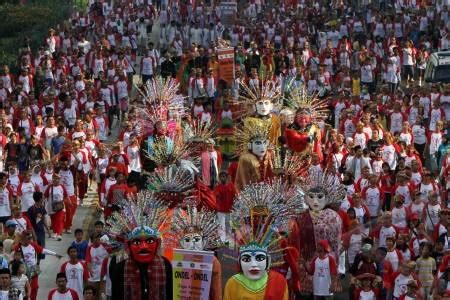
(77, 274)
(95, 256)
(323, 270)
(25, 192)
(68, 295)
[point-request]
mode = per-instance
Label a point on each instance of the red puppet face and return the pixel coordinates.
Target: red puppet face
(143, 249)
(143, 244)
(302, 120)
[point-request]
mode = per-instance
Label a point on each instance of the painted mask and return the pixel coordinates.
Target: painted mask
(254, 264)
(264, 107)
(302, 120)
(258, 146)
(143, 244)
(316, 199)
(193, 241)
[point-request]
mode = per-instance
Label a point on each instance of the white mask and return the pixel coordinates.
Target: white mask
(254, 264)
(193, 241)
(264, 107)
(316, 200)
(259, 147)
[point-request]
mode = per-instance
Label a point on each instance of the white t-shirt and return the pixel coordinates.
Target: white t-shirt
(134, 158)
(26, 190)
(58, 296)
(322, 277)
(5, 208)
(373, 201)
(419, 134)
(102, 128)
(76, 273)
(67, 181)
(400, 284)
(408, 57)
(384, 233)
(95, 256)
(29, 255)
(4, 295)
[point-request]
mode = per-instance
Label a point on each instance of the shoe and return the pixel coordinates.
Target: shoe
(59, 238)
(54, 236)
(68, 231)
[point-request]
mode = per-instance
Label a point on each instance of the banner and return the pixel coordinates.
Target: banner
(225, 57)
(192, 274)
(228, 12)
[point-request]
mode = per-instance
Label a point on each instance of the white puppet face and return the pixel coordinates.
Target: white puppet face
(258, 146)
(316, 199)
(254, 264)
(264, 107)
(193, 241)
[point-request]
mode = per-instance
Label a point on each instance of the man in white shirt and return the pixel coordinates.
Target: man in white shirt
(62, 292)
(6, 291)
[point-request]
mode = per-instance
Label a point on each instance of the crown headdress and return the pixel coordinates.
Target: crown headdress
(193, 220)
(200, 132)
(166, 152)
(252, 128)
(142, 217)
(326, 182)
(299, 100)
(261, 211)
(171, 179)
(268, 90)
(159, 96)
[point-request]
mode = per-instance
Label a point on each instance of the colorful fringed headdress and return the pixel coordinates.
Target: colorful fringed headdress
(325, 182)
(171, 179)
(142, 217)
(166, 152)
(261, 212)
(252, 128)
(315, 108)
(160, 96)
(193, 220)
(269, 90)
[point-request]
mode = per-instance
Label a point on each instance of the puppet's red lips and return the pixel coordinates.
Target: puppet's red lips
(254, 271)
(144, 252)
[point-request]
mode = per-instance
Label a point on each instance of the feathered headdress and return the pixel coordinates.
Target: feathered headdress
(289, 163)
(326, 182)
(252, 128)
(200, 132)
(269, 90)
(193, 220)
(171, 179)
(159, 96)
(165, 152)
(261, 211)
(298, 100)
(142, 217)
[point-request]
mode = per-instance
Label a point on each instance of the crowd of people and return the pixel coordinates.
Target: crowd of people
(385, 136)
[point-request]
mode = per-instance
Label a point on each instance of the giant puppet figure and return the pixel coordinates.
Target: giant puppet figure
(160, 102)
(261, 211)
(304, 136)
(197, 230)
(261, 100)
(256, 160)
(319, 222)
(137, 271)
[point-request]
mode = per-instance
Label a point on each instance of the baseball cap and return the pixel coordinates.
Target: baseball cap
(10, 223)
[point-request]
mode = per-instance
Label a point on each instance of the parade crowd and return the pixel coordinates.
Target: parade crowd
(385, 136)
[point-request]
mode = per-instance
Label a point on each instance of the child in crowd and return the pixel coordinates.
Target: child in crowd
(80, 244)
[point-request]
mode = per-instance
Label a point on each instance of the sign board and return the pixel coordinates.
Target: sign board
(192, 274)
(228, 11)
(225, 57)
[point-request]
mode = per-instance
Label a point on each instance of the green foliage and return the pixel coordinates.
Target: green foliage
(28, 21)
